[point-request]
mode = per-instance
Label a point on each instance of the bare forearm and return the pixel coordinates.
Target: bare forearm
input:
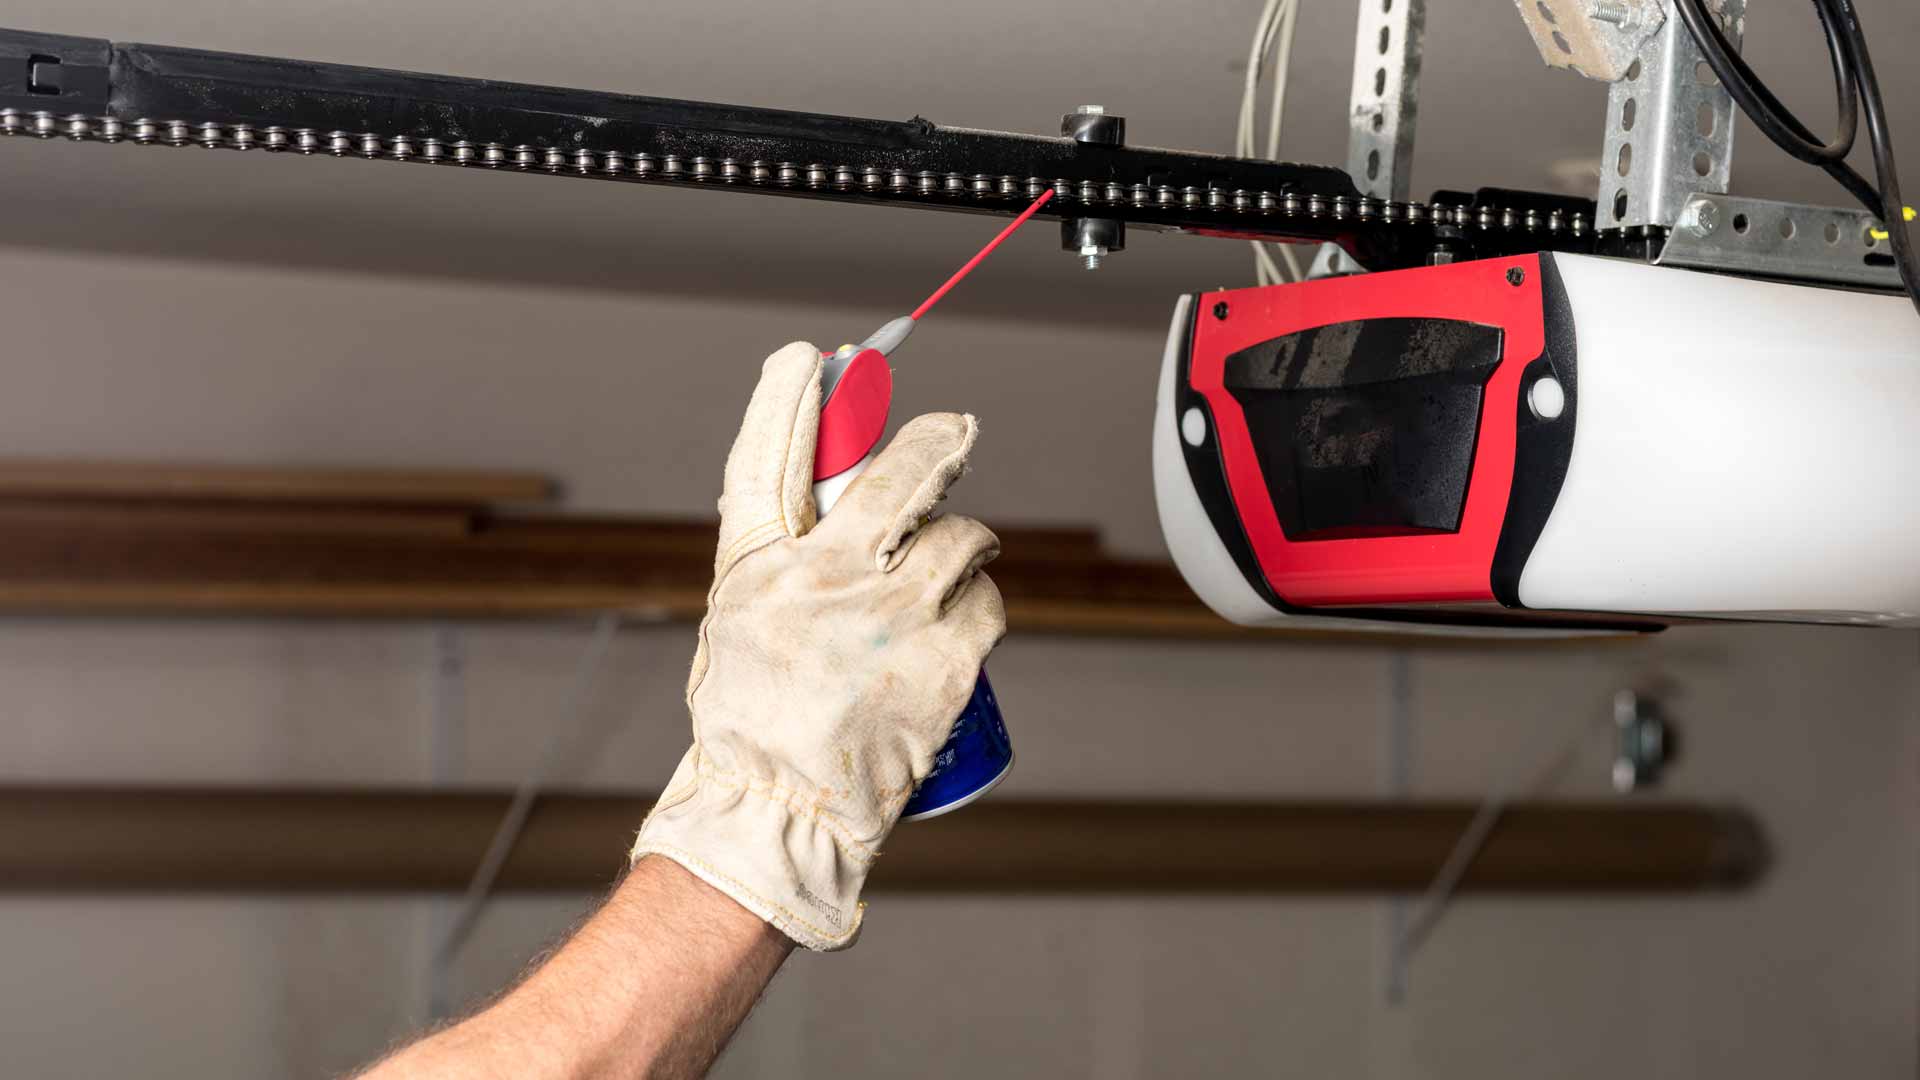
(653, 985)
(836, 650)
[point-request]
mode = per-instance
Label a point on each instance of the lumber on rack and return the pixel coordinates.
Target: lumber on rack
(164, 559)
(146, 539)
(150, 559)
(154, 481)
(208, 839)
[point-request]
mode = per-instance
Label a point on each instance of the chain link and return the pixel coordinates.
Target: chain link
(1010, 191)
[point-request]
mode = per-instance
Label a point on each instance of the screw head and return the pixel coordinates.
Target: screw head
(1700, 217)
(1220, 310)
(1515, 275)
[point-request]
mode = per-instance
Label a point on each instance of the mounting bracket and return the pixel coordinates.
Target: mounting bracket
(1669, 129)
(1383, 110)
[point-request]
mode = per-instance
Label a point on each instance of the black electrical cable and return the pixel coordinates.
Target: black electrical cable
(1856, 88)
(1880, 140)
(1775, 120)
(1772, 117)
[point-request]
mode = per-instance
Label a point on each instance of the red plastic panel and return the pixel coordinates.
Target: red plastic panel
(854, 415)
(1434, 567)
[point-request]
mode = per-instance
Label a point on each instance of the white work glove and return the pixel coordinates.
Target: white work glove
(832, 662)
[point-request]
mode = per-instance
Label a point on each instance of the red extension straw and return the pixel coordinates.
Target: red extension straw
(984, 252)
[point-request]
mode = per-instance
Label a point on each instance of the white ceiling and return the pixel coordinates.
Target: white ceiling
(1491, 114)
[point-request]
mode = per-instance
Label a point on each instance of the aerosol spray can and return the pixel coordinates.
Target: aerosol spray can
(856, 393)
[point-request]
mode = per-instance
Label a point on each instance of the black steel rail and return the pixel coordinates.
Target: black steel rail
(94, 89)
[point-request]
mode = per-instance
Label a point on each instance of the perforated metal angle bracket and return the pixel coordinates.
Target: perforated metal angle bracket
(1385, 102)
(1791, 241)
(1669, 129)
(1383, 110)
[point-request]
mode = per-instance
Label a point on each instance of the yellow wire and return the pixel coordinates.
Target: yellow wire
(1906, 214)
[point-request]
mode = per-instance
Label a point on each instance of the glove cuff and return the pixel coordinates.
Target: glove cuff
(769, 852)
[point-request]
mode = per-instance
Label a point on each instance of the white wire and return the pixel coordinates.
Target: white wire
(1250, 88)
(1243, 145)
(1474, 837)
(569, 720)
(1271, 49)
(1282, 62)
(1277, 109)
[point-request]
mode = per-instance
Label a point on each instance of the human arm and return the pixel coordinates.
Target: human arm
(653, 984)
(831, 664)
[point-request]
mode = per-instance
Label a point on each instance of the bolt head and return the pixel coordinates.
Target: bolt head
(1220, 310)
(1515, 275)
(1700, 217)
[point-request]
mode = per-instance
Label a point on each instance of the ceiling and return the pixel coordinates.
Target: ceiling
(1490, 114)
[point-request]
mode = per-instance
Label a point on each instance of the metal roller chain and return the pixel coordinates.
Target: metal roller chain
(1014, 191)
(137, 93)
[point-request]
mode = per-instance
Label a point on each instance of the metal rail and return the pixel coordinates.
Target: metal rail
(91, 89)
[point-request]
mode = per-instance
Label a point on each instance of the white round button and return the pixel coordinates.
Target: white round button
(1193, 426)
(1547, 398)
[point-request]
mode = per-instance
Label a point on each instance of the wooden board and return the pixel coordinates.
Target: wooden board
(411, 839)
(155, 540)
(63, 479)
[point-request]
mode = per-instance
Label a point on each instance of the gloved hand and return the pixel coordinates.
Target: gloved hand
(832, 662)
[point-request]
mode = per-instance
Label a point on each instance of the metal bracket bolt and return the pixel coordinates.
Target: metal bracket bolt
(1093, 239)
(1615, 13)
(1700, 217)
(1595, 38)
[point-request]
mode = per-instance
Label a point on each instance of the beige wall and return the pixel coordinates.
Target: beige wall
(630, 399)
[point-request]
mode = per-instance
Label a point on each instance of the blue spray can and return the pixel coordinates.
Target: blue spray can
(856, 393)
